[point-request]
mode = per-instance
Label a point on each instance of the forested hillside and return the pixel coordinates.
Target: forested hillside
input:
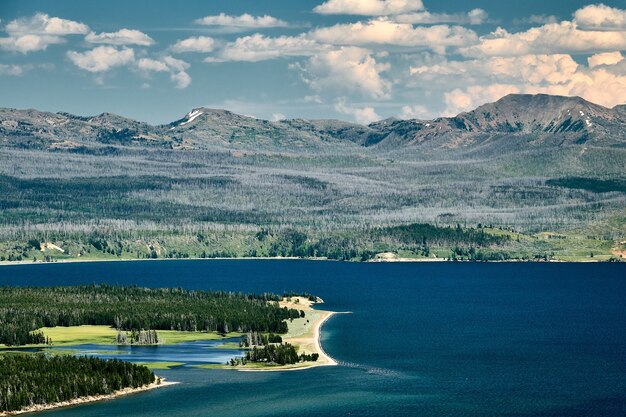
(513, 174)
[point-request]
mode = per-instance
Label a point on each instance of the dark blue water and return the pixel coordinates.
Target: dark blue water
(424, 339)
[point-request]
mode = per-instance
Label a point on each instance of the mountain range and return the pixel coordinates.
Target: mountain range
(516, 120)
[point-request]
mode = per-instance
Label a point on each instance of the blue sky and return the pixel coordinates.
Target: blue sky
(357, 60)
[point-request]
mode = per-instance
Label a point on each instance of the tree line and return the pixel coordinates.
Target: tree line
(23, 310)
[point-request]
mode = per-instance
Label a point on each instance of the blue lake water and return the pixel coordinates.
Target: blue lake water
(187, 353)
(424, 339)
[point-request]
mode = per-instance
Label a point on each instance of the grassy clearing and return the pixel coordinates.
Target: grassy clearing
(171, 337)
(212, 366)
(159, 365)
(104, 335)
(80, 335)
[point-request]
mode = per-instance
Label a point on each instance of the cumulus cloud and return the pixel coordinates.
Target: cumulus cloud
(384, 31)
(364, 115)
(528, 68)
(259, 47)
(473, 17)
(176, 68)
(102, 58)
(490, 79)
(597, 85)
(152, 65)
(607, 58)
(600, 16)
(121, 37)
(347, 69)
(36, 33)
(563, 37)
(369, 7)
(242, 22)
(194, 44)
(42, 24)
(460, 100)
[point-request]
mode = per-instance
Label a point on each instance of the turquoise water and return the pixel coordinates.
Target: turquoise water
(441, 339)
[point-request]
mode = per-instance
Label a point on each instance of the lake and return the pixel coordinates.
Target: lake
(423, 339)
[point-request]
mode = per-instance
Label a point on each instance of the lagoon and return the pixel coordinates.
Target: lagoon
(427, 339)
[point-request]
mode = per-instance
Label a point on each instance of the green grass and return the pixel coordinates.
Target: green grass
(104, 335)
(212, 366)
(171, 337)
(79, 335)
(159, 365)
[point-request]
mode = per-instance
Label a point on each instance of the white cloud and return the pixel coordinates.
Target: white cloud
(242, 22)
(528, 68)
(38, 32)
(176, 68)
(121, 37)
(181, 79)
(386, 32)
(42, 24)
(564, 37)
(278, 116)
(597, 85)
(607, 58)
(473, 17)
(369, 7)
(347, 69)
(364, 115)
(259, 47)
(459, 100)
(194, 44)
(102, 58)
(149, 64)
(15, 70)
(600, 16)
(417, 111)
(558, 75)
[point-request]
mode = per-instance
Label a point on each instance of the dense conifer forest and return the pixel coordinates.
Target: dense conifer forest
(27, 380)
(23, 310)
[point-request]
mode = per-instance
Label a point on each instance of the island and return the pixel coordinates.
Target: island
(274, 332)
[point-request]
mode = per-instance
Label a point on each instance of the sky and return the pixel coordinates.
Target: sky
(355, 60)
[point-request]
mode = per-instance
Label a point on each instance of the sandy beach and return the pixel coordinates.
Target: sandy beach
(304, 333)
(88, 399)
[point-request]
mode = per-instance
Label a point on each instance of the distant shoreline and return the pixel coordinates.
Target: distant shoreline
(294, 258)
(88, 399)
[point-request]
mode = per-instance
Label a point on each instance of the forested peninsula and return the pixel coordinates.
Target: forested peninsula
(25, 310)
(32, 382)
(28, 315)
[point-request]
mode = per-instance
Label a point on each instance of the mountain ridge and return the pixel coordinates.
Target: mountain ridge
(572, 120)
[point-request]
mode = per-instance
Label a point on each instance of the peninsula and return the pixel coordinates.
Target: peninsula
(41, 318)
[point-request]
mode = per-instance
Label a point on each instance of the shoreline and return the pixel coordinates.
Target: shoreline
(89, 399)
(293, 258)
(309, 341)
